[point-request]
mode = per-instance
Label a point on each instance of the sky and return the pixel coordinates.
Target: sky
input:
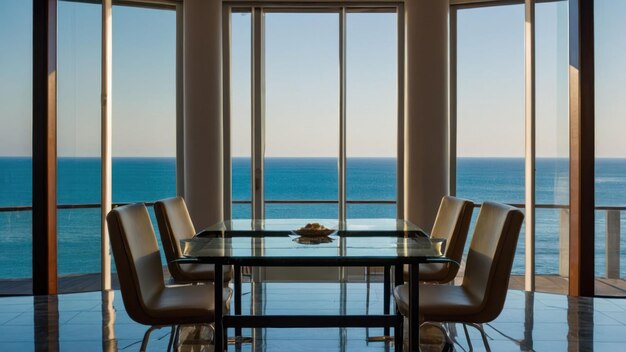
(491, 81)
(302, 84)
(302, 81)
(144, 80)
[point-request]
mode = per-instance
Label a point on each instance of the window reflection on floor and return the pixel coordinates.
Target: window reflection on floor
(98, 321)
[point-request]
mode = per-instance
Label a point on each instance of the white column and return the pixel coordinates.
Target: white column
(203, 128)
(529, 158)
(426, 148)
(105, 143)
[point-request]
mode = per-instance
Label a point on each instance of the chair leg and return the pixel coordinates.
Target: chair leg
(171, 342)
(386, 293)
(483, 334)
(467, 337)
(177, 338)
(146, 337)
(367, 301)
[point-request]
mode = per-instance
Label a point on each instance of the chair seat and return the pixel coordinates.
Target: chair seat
(440, 303)
(186, 304)
(203, 272)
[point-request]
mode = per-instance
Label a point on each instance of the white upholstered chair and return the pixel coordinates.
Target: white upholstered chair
(175, 225)
(146, 297)
(480, 298)
(452, 225)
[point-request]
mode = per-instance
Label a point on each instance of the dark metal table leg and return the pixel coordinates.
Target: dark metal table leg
(219, 304)
(399, 274)
(386, 337)
(237, 296)
(399, 332)
(387, 293)
(399, 328)
(414, 324)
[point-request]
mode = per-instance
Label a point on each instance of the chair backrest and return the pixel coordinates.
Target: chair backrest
(490, 257)
(174, 225)
(137, 258)
(452, 224)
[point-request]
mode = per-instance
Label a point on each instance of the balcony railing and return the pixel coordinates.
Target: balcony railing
(94, 205)
(612, 226)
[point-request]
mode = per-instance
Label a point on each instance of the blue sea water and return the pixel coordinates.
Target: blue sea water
(149, 179)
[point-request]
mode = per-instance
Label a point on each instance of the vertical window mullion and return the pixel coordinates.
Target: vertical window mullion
(228, 165)
(453, 99)
(342, 115)
(529, 52)
(258, 116)
(400, 124)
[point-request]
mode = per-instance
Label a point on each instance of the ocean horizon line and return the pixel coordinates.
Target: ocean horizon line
(309, 157)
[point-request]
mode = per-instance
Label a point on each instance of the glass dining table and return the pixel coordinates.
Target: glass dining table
(273, 243)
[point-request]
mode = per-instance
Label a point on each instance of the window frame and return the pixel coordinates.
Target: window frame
(257, 170)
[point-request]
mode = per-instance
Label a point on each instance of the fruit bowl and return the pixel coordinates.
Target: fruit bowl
(314, 230)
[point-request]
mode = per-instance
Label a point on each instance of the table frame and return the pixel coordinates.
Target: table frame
(386, 320)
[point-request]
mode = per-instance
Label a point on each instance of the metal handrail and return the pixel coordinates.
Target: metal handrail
(276, 201)
(316, 201)
(65, 206)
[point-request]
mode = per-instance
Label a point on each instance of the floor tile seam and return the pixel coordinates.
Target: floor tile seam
(11, 319)
(611, 313)
(70, 319)
(617, 321)
(7, 323)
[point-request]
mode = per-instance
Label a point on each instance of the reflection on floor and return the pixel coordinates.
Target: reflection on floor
(91, 282)
(97, 321)
(560, 284)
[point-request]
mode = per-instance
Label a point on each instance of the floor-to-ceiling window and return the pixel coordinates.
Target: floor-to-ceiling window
(551, 256)
(610, 151)
(78, 139)
(15, 146)
(371, 114)
(299, 76)
(301, 57)
(552, 146)
(241, 113)
(144, 123)
(144, 104)
(490, 107)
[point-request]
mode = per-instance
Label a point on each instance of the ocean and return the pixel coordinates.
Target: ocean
(150, 179)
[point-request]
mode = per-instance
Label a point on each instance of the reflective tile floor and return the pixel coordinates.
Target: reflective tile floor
(97, 321)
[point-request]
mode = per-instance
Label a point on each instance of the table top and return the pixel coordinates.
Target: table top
(358, 242)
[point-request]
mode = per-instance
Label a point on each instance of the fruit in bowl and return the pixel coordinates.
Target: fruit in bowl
(314, 230)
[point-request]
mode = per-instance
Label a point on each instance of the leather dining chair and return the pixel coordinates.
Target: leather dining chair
(175, 225)
(146, 298)
(452, 225)
(481, 296)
